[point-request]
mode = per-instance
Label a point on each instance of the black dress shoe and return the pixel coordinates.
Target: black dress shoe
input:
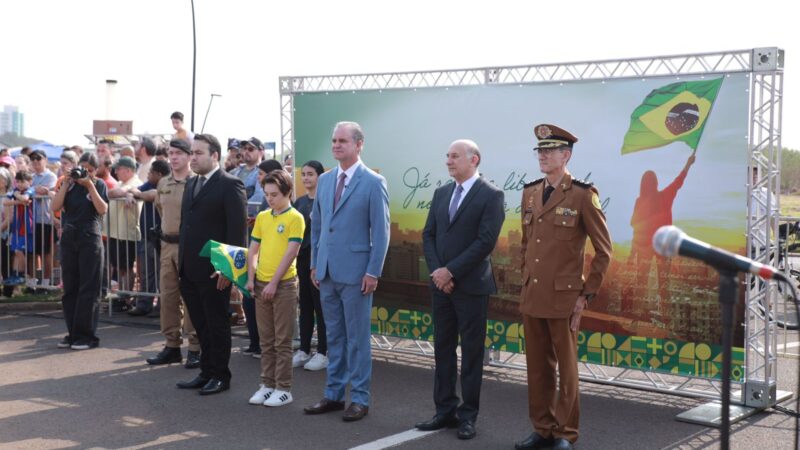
(192, 360)
(197, 383)
(356, 411)
(561, 444)
(466, 429)
(136, 312)
(535, 440)
(168, 355)
(437, 423)
(215, 386)
(324, 406)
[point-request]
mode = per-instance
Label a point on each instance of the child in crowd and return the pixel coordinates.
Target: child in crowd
(310, 306)
(272, 281)
(19, 219)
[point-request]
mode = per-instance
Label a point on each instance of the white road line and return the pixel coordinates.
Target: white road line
(395, 439)
(789, 345)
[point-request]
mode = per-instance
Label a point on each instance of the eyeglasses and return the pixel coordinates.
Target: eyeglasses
(547, 151)
(36, 158)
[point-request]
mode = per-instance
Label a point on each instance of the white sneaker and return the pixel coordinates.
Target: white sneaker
(279, 398)
(261, 395)
(300, 358)
(317, 362)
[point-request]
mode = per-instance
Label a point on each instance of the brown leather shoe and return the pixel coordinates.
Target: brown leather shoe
(355, 411)
(324, 406)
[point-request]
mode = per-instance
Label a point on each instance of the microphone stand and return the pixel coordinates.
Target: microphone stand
(728, 285)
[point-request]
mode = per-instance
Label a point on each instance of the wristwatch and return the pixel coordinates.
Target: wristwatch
(588, 297)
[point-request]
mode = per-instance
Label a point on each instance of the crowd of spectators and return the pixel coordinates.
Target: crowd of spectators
(130, 228)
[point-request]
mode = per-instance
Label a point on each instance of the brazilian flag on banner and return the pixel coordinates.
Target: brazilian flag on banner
(675, 112)
(231, 261)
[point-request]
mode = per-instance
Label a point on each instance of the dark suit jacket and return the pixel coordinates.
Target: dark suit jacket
(464, 245)
(219, 212)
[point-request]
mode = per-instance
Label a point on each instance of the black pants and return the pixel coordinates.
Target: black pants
(6, 266)
(81, 272)
(208, 309)
(148, 256)
(454, 316)
(249, 308)
(310, 307)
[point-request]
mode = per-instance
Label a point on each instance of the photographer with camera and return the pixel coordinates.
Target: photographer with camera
(84, 201)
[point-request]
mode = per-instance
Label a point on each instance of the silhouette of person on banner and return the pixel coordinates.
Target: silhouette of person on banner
(653, 209)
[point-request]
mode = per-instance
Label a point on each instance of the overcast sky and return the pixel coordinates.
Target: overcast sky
(57, 54)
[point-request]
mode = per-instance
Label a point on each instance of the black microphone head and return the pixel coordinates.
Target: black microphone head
(667, 241)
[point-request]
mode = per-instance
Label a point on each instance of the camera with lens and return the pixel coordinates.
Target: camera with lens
(78, 173)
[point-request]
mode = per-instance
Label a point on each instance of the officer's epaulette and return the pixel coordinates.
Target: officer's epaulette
(534, 182)
(583, 183)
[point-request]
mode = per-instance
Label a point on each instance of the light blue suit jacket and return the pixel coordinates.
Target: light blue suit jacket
(351, 241)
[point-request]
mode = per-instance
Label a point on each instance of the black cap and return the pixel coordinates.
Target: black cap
(255, 142)
(180, 144)
(233, 143)
(37, 153)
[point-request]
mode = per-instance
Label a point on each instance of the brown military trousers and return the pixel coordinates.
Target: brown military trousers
(553, 404)
(175, 322)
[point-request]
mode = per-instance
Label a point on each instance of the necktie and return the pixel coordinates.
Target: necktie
(547, 191)
(454, 203)
(339, 190)
(198, 185)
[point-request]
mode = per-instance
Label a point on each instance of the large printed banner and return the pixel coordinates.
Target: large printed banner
(660, 151)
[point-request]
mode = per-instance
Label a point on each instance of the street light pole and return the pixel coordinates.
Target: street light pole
(194, 63)
(208, 110)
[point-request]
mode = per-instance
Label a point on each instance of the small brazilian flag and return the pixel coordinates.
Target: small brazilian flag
(231, 261)
(675, 112)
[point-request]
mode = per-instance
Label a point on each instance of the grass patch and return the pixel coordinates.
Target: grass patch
(53, 296)
(790, 205)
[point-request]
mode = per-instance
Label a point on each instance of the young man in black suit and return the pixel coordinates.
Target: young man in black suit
(214, 207)
(461, 231)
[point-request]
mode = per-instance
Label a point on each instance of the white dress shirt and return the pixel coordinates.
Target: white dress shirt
(467, 185)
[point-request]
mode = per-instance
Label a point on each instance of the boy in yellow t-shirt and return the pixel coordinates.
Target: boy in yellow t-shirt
(272, 281)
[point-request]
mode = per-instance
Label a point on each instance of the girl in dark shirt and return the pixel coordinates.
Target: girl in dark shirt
(310, 307)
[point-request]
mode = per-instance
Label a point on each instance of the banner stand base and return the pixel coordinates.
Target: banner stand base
(710, 414)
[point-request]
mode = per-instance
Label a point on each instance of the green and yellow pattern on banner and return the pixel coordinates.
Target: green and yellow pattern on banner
(228, 259)
(634, 352)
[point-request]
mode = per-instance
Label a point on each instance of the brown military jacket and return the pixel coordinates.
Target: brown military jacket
(553, 243)
(168, 202)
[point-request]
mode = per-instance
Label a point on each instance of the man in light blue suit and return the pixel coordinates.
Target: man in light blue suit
(349, 240)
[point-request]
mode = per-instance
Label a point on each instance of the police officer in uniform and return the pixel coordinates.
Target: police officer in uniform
(558, 214)
(168, 198)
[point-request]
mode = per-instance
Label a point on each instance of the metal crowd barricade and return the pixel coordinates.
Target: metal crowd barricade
(132, 256)
(29, 254)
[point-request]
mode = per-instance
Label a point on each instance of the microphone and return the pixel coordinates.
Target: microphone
(670, 241)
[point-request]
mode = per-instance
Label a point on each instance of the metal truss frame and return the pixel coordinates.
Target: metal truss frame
(764, 145)
(764, 66)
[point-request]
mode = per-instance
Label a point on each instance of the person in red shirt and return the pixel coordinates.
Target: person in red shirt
(653, 209)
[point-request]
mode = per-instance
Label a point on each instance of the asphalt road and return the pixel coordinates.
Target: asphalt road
(109, 398)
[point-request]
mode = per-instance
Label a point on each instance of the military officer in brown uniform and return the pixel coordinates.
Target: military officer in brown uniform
(168, 198)
(558, 213)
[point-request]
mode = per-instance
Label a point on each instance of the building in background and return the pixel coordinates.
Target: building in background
(12, 121)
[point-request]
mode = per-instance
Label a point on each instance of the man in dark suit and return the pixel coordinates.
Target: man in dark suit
(214, 207)
(461, 231)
